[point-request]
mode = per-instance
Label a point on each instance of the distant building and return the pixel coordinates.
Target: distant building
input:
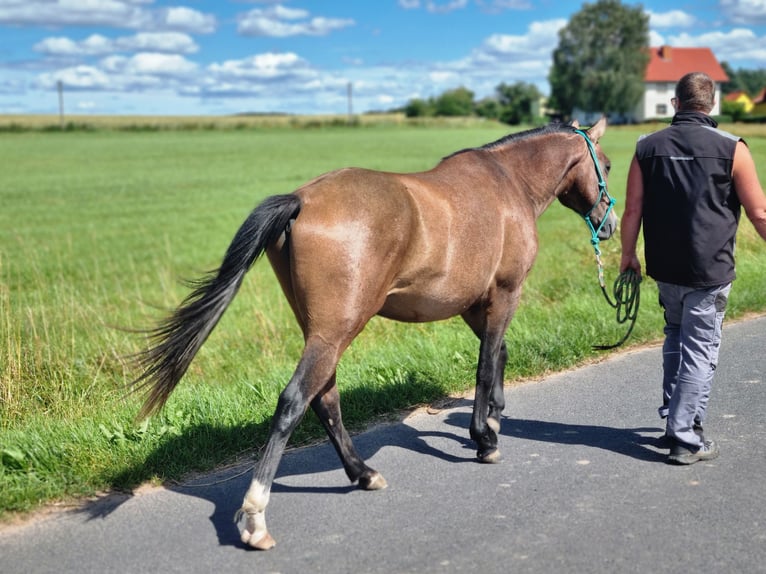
(668, 65)
(741, 98)
(759, 104)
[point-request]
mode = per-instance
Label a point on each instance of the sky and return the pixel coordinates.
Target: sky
(222, 57)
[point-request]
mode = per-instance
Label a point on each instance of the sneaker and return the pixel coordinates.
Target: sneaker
(682, 454)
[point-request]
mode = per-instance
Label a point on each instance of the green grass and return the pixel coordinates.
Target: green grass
(97, 229)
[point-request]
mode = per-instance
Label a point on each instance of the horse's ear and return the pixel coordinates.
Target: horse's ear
(597, 130)
(575, 124)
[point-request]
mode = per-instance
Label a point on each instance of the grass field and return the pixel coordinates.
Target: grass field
(98, 227)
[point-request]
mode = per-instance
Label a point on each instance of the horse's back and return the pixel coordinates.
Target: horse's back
(413, 247)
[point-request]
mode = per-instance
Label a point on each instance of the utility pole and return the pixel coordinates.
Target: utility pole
(350, 103)
(60, 86)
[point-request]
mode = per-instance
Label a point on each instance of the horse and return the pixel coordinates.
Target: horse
(458, 239)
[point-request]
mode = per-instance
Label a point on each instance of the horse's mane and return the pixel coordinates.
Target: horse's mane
(518, 136)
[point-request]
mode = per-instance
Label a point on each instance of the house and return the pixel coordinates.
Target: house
(759, 104)
(666, 66)
(743, 99)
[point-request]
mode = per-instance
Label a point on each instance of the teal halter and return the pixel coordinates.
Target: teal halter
(626, 290)
(594, 231)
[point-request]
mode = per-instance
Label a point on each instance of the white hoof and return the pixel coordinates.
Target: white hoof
(254, 533)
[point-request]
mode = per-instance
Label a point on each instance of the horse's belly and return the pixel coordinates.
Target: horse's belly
(420, 307)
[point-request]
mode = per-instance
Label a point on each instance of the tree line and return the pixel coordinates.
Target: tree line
(511, 104)
(598, 66)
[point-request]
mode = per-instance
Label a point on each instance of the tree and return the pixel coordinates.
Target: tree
(750, 81)
(601, 58)
(457, 102)
(518, 102)
(418, 108)
(488, 108)
(735, 110)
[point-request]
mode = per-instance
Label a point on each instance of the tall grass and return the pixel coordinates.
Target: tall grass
(98, 227)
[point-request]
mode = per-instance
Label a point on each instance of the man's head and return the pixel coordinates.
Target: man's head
(695, 92)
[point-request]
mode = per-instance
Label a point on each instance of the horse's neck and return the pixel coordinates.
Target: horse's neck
(539, 169)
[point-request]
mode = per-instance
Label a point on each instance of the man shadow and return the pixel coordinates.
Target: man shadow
(630, 442)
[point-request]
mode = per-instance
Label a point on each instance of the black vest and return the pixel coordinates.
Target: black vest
(690, 211)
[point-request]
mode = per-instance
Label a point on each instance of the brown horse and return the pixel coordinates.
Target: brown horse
(458, 239)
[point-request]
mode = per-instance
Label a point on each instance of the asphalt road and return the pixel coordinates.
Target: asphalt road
(582, 487)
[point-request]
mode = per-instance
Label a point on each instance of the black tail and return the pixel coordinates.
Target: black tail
(177, 339)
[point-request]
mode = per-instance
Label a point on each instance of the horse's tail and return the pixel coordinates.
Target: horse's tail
(178, 338)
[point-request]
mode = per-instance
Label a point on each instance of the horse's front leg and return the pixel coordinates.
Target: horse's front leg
(490, 324)
(497, 393)
(485, 421)
(327, 407)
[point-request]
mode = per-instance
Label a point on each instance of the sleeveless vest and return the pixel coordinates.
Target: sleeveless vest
(691, 210)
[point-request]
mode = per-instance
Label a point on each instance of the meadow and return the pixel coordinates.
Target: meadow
(99, 226)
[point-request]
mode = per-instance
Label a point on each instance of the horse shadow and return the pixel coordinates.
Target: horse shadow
(223, 488)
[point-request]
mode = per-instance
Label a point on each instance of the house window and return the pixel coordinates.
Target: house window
(662, 110)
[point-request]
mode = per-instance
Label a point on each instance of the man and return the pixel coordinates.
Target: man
(686, 185)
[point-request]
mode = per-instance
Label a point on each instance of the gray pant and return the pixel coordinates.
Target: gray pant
(693, 319)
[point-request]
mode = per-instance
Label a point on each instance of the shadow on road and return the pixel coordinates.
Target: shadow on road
(224, 489)
(625, 441)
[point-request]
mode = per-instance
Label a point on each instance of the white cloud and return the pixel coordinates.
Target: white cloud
(132, 14)
(671, 19)
(155, 64)
(748, 12)
(171, 42)
(280, 22)
(138, 73)
(77, 77)
(262, 66)
(185, 20)
(498, 6)
(537, 44)
(450, 6)
(97, 45)
(739, 44)
(656, 39)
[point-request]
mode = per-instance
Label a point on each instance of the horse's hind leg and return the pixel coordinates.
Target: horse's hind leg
(327, 407)
(315, 368)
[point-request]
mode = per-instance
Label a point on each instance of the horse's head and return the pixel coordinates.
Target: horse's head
(586, 192)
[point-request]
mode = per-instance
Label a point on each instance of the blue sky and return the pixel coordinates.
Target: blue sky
(204, 57)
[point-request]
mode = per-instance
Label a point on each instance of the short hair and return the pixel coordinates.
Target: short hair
(696, 92)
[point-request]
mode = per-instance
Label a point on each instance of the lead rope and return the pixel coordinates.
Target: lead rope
(626, 290)
(627, 298)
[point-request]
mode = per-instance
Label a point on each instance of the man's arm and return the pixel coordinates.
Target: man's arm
(630, 223)
(748, 188)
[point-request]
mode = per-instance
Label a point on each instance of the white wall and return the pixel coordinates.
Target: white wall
(658, 94)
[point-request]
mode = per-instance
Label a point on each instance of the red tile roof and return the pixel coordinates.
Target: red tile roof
(667, 64)
(732, 96)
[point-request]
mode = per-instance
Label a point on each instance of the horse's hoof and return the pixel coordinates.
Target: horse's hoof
(488, 456)
(265, 542)
(372, 481)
